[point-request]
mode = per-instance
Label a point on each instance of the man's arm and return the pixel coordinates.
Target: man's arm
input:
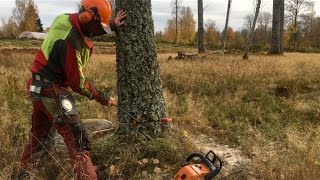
(74, 71)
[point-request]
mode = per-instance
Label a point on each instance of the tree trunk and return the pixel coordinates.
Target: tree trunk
(266, 34)
(245, 54)
(281, 26)
(226, 27)
(275, 39)
(140, 96)
(200, 27)
(295, 35)
(176, 21)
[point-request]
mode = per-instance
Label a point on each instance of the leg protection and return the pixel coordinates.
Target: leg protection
(83, 168)
(77, 143)
(41, 138)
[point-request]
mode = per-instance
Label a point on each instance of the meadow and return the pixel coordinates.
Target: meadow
(268, 106)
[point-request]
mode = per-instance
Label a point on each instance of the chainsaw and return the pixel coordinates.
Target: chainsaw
(200, 167)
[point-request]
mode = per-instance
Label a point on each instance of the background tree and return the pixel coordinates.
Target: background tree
(310, 29)
(248, 21)
(282, 8)
(169, 31)
(294, 9)
(245, 54)
(264, 20)
(9, 28)
(20, 10)
(211, 35)
(230, 35)
(200, 27)
(240, 38)
(226, 26)
(277, 27)
(25, 18)
(175, 14)
(187, 25)
(30, 20)
(138, 75)
(39, 25)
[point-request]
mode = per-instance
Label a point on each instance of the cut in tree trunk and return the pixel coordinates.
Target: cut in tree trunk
(226, 27)
(138, 76)
(245, 54)
(200, 27)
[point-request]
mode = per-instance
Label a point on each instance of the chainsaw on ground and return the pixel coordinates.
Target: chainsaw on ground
(200, 167)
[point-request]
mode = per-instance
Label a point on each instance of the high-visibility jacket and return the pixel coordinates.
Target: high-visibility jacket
(64, 55)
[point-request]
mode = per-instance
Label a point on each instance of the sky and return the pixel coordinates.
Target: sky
(161, 10)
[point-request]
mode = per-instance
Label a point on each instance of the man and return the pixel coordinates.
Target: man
(59, 64)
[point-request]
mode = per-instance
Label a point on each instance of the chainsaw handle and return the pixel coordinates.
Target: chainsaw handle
(202, 157)
(213, 170)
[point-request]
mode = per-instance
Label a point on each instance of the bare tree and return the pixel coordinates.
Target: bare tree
(264, 20)
(200, 27)
(295, 8)
(245, 54)
(141, 102)
(20, 10)
(226, 26)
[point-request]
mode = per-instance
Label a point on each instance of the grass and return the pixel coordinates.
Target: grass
(269, 106)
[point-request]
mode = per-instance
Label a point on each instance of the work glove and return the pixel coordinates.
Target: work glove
(105, 100)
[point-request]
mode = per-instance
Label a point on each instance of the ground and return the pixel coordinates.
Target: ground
(261, 116)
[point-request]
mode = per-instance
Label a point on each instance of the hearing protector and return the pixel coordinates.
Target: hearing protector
(88, 15)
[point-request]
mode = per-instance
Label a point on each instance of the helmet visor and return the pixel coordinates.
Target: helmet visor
(106, 28)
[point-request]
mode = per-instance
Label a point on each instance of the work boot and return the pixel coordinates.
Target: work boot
(21, 174)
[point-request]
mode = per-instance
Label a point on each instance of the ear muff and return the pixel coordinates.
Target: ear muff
(85, 17)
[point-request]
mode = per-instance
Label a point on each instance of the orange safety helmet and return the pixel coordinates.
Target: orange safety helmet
(103, 8)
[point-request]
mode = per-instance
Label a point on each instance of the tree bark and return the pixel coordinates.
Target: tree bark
(226, 27)
(245, 54)
(281, 26)
(200, 27)
(277, 27)
(176, 21)
(140, 96)
(295, 35)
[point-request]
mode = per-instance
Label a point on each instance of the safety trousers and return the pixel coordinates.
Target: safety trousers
(71, 129)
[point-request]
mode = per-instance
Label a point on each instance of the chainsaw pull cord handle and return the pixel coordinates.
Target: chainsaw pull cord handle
(213, 169)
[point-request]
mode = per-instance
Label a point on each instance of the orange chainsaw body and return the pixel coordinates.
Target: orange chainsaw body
(192, 172)
(200, 167)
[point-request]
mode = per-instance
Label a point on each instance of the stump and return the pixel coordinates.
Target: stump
(186, 56)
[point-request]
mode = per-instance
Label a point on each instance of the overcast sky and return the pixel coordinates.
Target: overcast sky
(215, 9)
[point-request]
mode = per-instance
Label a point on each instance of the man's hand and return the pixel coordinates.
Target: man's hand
(112, 102)
(119, 20)
(105, 100)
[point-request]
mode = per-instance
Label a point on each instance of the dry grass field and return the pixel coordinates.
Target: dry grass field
(268, 106)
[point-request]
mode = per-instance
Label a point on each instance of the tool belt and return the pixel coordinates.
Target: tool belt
(39, 82)
(40, 87)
